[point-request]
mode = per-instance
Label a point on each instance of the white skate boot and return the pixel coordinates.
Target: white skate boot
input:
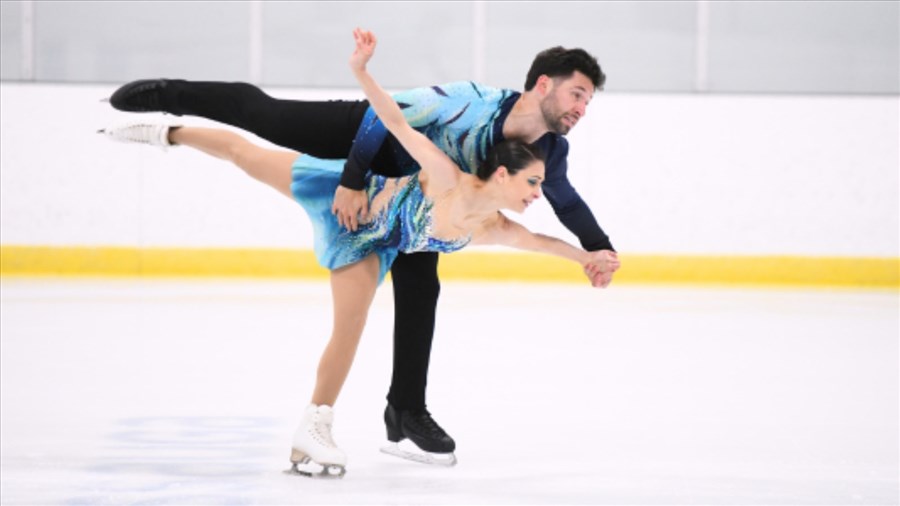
(314, 446)
(141, 133)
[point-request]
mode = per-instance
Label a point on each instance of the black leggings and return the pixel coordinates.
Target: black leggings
(326, 130)
(322, 129)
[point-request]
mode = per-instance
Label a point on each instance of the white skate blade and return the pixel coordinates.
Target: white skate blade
(435, 459)
(310, 469)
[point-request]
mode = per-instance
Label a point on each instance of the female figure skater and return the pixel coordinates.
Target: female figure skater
(440, 208)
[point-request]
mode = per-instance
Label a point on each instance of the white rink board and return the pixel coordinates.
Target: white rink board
(696, 174)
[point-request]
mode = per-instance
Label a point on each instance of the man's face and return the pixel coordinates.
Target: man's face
(566, 102)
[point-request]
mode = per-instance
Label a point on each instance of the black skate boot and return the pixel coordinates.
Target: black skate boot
(419, 427)
(145, 95)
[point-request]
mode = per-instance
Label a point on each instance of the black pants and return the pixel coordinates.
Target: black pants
(326, 130)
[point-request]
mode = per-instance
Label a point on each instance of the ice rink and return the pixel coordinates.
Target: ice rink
(187, 392)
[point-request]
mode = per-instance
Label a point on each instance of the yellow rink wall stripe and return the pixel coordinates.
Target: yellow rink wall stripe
(104, 261)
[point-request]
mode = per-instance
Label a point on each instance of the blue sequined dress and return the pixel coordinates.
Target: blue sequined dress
(400, 216)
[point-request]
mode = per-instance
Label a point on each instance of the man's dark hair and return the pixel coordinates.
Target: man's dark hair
(561, 62)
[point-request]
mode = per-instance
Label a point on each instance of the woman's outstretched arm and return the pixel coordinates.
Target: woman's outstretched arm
(433, 161)
(599, 266)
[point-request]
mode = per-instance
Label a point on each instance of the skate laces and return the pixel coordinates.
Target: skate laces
(321, 430)
(426, 422)
(140, 133)
(142, 98)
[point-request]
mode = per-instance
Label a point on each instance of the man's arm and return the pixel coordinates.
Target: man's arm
(568, 205)
(576, 216)
(369, 138)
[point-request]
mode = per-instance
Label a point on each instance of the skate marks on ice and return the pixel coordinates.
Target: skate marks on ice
(696, 396)
(180, 459)
(409, 451)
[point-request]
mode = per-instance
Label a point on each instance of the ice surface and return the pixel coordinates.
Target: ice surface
(176, 392)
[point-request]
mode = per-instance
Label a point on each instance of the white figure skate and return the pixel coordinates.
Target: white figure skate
(313, 447)
(154, 134)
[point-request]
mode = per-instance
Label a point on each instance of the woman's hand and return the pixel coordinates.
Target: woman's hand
(365, 48)
(601, 266)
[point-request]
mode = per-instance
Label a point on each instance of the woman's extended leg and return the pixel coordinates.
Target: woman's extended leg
(270, 166)
(352, 289)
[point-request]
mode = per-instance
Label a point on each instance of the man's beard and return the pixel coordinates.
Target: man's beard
(552, 117)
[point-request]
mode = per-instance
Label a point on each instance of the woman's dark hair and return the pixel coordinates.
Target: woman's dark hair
(561, 62)
(514, 155)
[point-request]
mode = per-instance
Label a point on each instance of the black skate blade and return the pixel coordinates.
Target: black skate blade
(433, 459)
(328, 472)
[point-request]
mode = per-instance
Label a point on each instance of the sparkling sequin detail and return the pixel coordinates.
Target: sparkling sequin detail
(400, 217)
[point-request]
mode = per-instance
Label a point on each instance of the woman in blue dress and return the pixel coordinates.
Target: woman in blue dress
(440, 208)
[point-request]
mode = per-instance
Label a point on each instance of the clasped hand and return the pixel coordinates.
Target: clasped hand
(601, 267)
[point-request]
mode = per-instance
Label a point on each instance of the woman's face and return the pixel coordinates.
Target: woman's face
(524, 187)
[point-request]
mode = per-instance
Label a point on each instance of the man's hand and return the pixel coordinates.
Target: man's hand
(349, 207)
(601, 267)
